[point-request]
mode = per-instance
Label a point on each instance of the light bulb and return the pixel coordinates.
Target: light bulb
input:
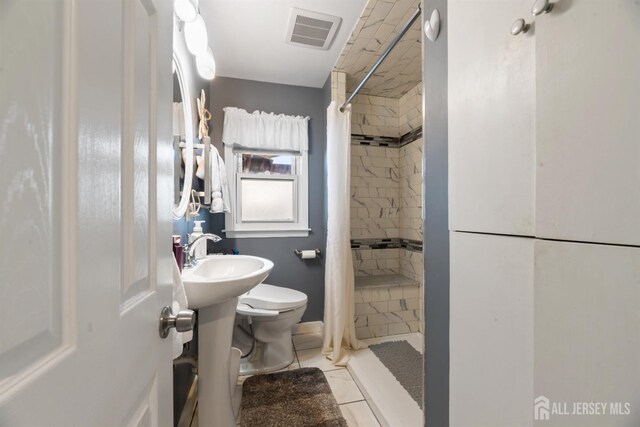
(186, 10)
(195, 34)
(206, 65)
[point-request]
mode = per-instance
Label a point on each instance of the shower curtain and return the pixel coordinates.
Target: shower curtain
(339, 305)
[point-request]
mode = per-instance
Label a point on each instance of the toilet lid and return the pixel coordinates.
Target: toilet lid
(270, 297)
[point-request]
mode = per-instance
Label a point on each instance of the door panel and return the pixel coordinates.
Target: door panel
(491, 118)
(79, 341)
(139, 54)
(491, 335)
(588, 127)
(34, 319)
(587, 328)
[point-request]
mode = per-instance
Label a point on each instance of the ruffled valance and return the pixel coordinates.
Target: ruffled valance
(265, 131)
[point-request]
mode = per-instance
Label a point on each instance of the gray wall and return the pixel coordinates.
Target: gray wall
(289, 271)
(436, 224)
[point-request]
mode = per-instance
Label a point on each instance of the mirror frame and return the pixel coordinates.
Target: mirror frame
(180, 209)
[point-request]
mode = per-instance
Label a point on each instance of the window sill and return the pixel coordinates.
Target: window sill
(253, 234)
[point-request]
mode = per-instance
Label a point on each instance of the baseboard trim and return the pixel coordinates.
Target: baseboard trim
(314, 327)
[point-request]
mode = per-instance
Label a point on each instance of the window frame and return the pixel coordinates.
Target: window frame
(234, 228)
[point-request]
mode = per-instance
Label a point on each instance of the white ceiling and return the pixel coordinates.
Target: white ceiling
(248, 39)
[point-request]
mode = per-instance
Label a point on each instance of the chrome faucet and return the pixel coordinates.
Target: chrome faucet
(189, 248)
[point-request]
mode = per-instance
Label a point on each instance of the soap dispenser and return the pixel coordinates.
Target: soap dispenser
(200, 251)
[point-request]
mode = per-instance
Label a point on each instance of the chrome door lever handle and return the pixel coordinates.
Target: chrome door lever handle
(184, 321)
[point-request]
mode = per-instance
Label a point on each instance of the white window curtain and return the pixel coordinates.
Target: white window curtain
(339, 282)
(265, 131)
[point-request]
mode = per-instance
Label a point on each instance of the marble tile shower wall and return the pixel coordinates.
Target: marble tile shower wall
(338, 86)
(374, 115)
(410, 206)
(375, 192)
(410, 110)
(377, 262)
(410, 213)
(379, 23)
(382, 311)
(386, 182)
(386, 203)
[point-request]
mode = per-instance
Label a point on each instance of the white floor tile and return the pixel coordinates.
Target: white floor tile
(358, 414)
(307, 341)
(242, 379)
(343, 387)
(313, 358)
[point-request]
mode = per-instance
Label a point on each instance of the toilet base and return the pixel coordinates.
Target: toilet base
(265, 341)
(268, 357)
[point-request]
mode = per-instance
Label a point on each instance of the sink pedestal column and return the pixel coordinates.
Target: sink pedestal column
(215, 331)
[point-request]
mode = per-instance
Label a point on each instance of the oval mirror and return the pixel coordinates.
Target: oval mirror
(183, 138)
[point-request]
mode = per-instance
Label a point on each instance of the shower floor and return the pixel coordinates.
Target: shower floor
(389, 401)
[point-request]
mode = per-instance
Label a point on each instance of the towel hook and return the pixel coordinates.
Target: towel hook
(432, 26)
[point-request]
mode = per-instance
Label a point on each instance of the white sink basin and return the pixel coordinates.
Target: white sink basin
(218, 278)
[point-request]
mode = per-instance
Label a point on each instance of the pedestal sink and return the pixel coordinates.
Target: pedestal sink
(213, 286)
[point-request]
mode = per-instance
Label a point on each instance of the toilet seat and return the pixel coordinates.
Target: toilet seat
(270, 298)
(250, 311)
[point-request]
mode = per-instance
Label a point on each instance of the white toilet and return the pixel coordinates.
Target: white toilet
(265, 317)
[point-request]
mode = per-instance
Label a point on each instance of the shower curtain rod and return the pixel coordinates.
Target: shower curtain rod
(389, 48)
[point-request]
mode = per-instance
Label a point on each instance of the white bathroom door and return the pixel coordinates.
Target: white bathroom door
(588, 121)
(85, 179)
(491, 118)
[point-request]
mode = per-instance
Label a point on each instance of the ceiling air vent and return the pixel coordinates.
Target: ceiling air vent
(312, 29)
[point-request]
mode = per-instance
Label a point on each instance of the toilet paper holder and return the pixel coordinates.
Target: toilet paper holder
(299, 253)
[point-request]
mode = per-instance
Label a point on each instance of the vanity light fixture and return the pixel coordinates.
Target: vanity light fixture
(195, 34)
(206, 65)
(186, 10)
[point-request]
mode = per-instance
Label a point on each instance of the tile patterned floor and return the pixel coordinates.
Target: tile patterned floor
(349, 397)
(353, 405)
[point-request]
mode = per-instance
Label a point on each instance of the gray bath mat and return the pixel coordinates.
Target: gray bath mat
(405, 363)
(300, 398)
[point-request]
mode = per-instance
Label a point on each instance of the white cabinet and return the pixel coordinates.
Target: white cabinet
(491, 118)
(544, 127)
(588, 122)
(544, 141)
(533, 318)
(491, 335)
(587, 328)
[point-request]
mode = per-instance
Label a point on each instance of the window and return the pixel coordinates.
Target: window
(269, 193)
